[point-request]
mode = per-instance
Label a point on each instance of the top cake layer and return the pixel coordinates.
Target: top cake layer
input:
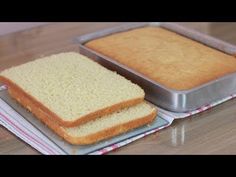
(73, 87)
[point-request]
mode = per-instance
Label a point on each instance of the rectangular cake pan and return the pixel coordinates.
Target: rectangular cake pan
(169, 99)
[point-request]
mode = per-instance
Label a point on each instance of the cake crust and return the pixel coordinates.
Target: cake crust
(170, 59)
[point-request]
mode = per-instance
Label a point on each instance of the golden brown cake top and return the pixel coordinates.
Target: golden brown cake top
(166, 57)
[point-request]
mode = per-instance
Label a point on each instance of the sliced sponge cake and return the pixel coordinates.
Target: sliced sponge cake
(72, 89)
(96, 130)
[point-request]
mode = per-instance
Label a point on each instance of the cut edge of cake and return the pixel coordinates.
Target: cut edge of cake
(39, 112)
(54, 117)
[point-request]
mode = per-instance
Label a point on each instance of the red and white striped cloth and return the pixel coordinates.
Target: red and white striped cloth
(19, 126)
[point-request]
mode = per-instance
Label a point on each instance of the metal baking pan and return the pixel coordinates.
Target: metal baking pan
(169, 99)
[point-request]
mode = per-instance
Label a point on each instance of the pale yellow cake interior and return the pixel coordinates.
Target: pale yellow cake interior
(126, 115)
(71, 85)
